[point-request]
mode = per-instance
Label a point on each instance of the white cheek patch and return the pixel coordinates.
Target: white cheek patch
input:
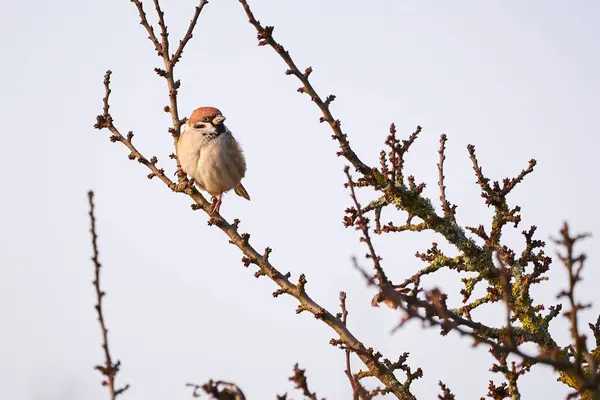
(183, 128)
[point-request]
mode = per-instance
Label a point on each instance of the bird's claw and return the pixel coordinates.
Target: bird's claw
(217, 204)
(179, 173)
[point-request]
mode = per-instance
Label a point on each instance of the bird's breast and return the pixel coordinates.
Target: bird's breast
(218, 168)
(188, 151)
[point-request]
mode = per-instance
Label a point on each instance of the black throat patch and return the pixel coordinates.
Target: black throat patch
(220, 129)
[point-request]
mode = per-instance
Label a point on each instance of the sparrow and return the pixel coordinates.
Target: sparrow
(210, 155)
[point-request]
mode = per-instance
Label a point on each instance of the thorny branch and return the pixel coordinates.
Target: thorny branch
(109, 369)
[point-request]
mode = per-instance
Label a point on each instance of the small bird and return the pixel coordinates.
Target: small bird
(210, 155)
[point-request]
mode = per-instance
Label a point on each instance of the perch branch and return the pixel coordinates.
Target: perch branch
(371, 358)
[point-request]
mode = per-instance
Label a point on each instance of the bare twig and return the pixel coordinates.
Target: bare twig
(144, 22)
(189, 33)
(109, 369)
(449, 210)
(359, 392)
(356, 217)
(446, 393)
(299, 379)
(265, 37)
(162, 49)
(348, 370)
(219, 390)
(574, 264)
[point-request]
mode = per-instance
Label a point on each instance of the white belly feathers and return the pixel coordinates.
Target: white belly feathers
(216, 166)
(216, 170)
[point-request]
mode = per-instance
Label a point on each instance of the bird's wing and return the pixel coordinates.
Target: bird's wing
(240, 190)
(236, 155)
(238, 162)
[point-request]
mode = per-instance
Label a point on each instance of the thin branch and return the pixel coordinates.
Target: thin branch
(449, 210)
(358, 219)
(358, 390)
(164, 34)
(574, 264)
(189, 33)
(105, 121)
(109, 369)
(299, 379)
(168, 73)
(219, 390)
(348, 370)
(265, 37)
(149, 28)
(446, 393)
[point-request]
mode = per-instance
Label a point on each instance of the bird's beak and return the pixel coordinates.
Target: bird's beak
(218, 120)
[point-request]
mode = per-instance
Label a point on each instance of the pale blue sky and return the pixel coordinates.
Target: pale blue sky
(517, 79)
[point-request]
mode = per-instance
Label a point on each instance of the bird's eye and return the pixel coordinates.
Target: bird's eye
(199, 126)
(206, 119)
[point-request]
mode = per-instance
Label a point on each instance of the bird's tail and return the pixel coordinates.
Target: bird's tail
(240, 190)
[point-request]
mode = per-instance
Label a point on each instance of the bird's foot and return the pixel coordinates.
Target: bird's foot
(217, 204)
(180, 173)
(183, 183)
(191, 183)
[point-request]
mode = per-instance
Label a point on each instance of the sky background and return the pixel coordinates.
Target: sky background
(517, 79)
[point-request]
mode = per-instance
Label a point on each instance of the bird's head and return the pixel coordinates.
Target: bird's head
(207, 121)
